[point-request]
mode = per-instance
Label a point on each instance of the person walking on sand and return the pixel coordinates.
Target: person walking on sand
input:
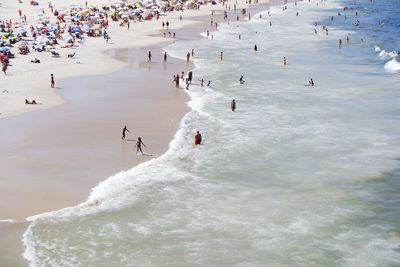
(124, 132)
(233, 105)
(149, 56)
(52, 82)
(197, 138)
(139, 144)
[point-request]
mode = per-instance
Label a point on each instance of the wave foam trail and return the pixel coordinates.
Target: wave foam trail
(296, 176)
(392, 66)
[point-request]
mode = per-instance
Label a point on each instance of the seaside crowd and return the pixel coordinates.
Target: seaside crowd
(186, 80)
(68, 27)
(63, 28)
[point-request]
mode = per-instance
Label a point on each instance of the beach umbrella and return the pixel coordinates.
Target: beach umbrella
(20, 31)
(76, 30)
(86, 27)
(52, 29)
(41, 41)
(22, 44)
(4, 49)
(67, 37)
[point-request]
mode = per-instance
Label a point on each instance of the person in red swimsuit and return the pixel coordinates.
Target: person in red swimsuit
(197, 138)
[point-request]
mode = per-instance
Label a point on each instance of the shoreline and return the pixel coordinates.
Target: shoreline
(196, 24)
(161, 43)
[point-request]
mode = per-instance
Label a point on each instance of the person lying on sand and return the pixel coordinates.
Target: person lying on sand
(30, 103)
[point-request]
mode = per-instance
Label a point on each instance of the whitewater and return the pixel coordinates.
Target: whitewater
(296, 176)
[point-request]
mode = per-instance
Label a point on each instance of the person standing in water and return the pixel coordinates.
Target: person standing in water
(149, 56)
(165, 57)
(284, 61)
(187, 57)
(52, 82)
(311, 82)
(124, 132)
(139, 144)
(255, 48)
(221, 55)
(241, 80)
(197, 138)
(233, 105)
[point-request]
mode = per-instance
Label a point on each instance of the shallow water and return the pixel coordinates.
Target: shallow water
(297, 176)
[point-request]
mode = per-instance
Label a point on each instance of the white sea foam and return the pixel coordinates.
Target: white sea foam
(392, 66)
(8, 221)
(277, 177)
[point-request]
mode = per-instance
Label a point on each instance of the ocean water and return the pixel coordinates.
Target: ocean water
(296, 176)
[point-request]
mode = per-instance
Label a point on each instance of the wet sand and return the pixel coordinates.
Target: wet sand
(52, 158)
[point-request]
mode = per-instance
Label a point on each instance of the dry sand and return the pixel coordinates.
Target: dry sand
(51, 158)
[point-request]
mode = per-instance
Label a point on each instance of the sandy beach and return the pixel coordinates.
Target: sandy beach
(296, 103)
(53, 156)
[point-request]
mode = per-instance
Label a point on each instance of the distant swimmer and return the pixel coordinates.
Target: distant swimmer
(241, 80)
(233, 105)
(197, 138)
(139, 144)
(284, 61)
(311, 82)
(255, 48)
(124, 132)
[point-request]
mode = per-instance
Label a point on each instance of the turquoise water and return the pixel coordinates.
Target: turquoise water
(297, 176)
